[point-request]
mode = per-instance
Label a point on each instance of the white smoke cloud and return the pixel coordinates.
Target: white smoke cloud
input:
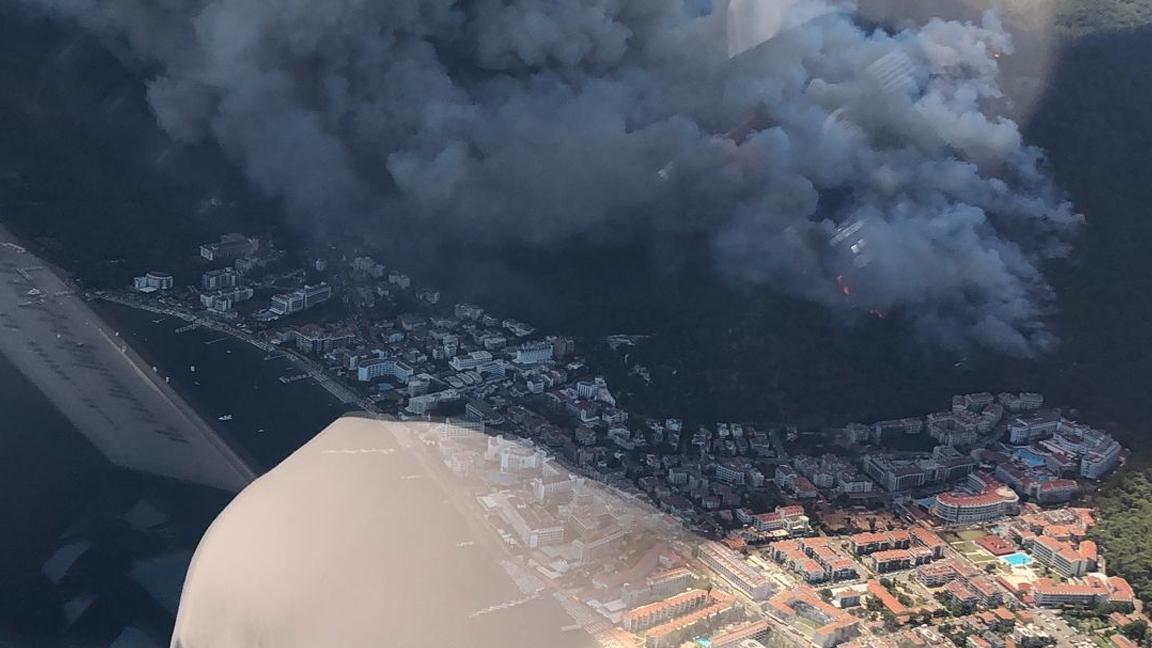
(877, 180)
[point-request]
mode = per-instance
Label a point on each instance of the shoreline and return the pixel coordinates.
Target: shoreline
(103, 386)
(307, 366)
(233, 384)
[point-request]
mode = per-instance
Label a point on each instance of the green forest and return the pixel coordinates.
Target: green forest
(1094, 129)
(1124, 527)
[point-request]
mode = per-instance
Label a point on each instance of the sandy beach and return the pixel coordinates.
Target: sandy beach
(128, 411)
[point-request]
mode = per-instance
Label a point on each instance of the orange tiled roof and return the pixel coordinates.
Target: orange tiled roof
(879, 591)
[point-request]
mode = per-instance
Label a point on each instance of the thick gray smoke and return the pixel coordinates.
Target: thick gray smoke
(856, 168)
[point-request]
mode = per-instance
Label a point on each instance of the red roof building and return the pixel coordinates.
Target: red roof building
(996, 545)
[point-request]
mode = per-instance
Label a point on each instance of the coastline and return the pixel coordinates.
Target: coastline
(99, 383)
(304, 364)
(233, 384)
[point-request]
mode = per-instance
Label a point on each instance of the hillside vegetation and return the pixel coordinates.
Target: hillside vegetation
(1124, 528)
(1089, 16)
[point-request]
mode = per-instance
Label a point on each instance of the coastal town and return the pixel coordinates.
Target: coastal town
(979, 535)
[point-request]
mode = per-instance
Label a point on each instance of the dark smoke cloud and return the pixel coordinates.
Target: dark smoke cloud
(874, 178)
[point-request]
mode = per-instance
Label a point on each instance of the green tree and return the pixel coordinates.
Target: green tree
(1136, 630)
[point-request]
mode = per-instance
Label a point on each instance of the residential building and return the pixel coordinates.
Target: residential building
(894, 475)
(986, 591)
(653, 614)
(553, 486)
(734, 569)
(670, 633)
(1054, 490)
(1029, 428)
(735, 636)
(1064, 557)
(732, 471)
(399, 279)
(312, 338)
(988, 500)
(230, 246)
(226, 299)
(937, 574)
(954, 428)
(972, 402)
(790, 519)
(832, 625)
(519, 329)
(219, 279)
(370, 369)
(479, 410)
(858, 433)
(470, 361)
(534, 526)
(1050, 593)
(562, 347)
(866, 543)
(902, 426)
(468, 312)
(424, 402)
(534, 352)
(851, 482)
(153, 281)
(302, 299)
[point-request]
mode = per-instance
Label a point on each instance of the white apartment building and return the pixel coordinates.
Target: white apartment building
(153, 281)
(470, 361)
(370, 369)
(534, 353)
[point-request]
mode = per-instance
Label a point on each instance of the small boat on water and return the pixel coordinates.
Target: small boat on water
(226, 417)
(192, 368)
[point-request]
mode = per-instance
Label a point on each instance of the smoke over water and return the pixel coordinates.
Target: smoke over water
(851, 166)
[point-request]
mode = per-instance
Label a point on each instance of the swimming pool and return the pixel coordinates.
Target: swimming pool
(1018, 559)
(1028, 457)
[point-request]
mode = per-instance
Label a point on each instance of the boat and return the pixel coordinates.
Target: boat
(192, 368)
(226, 417)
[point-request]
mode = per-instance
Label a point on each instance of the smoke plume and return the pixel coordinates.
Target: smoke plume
(852, 166)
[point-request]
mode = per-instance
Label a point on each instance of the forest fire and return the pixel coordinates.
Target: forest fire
(845, 289)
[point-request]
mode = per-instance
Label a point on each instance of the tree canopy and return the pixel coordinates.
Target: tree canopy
(1125, 526)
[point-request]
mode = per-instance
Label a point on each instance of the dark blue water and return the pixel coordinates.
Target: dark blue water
(270, 419)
